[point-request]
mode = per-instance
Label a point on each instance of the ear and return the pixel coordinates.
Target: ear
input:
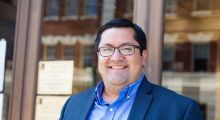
(144, 57)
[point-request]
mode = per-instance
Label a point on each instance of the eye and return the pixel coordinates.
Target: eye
(126, 48)
(106, 49)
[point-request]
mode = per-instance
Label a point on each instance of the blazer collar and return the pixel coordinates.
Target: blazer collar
(142, 101)
(138, 110)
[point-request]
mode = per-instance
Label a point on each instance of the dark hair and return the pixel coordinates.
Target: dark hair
(139, 34)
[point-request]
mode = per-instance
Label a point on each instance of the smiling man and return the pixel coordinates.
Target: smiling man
(124, 91)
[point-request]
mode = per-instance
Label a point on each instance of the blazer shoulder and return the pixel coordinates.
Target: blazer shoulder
(82, 95)
(82, 101)
(166, 98)
(159, 103)
(170, 105)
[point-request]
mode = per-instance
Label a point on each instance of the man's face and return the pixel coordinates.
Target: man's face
(118, 70)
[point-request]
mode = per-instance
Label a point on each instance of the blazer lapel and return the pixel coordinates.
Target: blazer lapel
(142, 101)
(87, 105)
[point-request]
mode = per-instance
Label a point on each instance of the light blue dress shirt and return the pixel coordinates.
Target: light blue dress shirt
(120, 108)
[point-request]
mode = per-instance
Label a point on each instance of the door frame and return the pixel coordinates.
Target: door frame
(25, 60)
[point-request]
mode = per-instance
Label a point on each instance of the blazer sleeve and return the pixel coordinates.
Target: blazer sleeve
(193, 112)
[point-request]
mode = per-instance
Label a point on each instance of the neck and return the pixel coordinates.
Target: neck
(110, 94)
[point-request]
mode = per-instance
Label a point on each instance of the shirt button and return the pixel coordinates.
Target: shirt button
(111, 109)
(128, 97)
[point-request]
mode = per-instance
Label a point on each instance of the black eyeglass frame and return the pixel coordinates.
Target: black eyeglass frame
(118, 48)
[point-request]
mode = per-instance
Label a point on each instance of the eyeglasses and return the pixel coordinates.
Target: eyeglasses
(123, 50)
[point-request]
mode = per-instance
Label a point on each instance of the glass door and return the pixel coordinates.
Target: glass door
(68, 63)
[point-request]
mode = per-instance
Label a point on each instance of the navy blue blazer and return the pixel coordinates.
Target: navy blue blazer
(152, 102)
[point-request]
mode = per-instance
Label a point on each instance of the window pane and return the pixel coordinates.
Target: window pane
(52, 8)
(200, 57)
(91, 7)
(192, 66)
(72, 7)
(51, 52)
(170, 6)
(202, 5)
(89, 55)
(168, 57)
(69, 52)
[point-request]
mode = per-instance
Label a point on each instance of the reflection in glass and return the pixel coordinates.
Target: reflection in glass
(191, 59)
(69, 52)
(70, 37)
(51, 52)
(89, 54)
(52, 9)
(200, 60)
(129, 8)
(202, 5)
(8, 10)
(72, 8)
(168, 57)
(90, 7)
(170, 6)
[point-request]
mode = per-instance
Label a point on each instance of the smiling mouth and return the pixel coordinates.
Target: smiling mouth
(118, 67)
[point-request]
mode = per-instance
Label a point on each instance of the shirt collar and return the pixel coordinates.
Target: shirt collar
(127, 91)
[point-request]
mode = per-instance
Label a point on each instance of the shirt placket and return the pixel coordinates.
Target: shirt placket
(112, 109)
(110, 113)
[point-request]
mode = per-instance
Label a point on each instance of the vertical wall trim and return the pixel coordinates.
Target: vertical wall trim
(25, 61)
(18, 60)
(149, 14)
(32, 58)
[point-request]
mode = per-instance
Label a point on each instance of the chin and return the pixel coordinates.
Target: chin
(117, 80)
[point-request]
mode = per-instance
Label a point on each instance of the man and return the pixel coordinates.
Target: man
(125, 93)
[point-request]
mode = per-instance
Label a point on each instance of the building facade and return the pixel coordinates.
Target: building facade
(50, 50)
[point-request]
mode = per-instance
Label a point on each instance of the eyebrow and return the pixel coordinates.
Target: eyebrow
(123, 44)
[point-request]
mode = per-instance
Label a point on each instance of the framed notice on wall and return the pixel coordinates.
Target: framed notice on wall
(1, 107)
(55, 77)
(49, 107)
(2, 62)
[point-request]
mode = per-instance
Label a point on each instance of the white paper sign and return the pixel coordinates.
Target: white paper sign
(2, 62)
(49, 107)
(55, 77)
(1, 106)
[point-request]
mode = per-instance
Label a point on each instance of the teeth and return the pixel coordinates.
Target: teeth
(118, 67)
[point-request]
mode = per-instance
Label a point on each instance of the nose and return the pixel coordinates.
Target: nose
(116, 55)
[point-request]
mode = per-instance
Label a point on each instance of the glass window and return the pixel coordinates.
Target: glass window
(90, 7)
(68, 46)
(52, 9)
(171, 6)
(202, 5)
(51, 52)
(197, 49)
(200, 52)
(89, 55)
(168, 57)
(71, 7)
(69, 52)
